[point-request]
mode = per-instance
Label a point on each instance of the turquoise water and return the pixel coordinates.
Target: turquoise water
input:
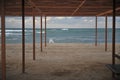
(73, 35)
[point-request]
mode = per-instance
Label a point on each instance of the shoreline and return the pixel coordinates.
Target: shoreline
(62, 43)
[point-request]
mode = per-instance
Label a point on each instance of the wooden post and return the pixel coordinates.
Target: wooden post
(45, 33)
(106, 33)
(41, 36)
(113, 35)
(23, 36)
(3, 42)
(33, 34)
(96, 31)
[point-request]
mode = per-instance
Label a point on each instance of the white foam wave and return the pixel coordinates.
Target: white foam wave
(65, 29)
(14, 30)
(13, 39)
(7, 34)
(40, 32)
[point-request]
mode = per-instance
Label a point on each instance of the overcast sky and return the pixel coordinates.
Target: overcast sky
(61, 22)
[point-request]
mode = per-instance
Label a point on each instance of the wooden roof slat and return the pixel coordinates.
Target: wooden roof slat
(107, 12)
(62, 7)
(34, 6)
(78, 7)
(56, 7)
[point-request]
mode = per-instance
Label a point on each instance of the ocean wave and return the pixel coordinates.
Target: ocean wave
(73, 39)
(65, 29)
(13, 39)
(14, 31)
(8, 34)
(40, 32)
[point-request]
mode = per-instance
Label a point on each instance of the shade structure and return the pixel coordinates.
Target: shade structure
(62, 7)
(55, 8)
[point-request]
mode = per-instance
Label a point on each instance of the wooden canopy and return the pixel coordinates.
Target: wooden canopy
(62, 7)
(54, 8)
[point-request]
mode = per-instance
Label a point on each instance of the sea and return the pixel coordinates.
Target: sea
(60, 35)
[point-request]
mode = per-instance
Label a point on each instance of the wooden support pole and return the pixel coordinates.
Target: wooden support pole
(96, 35)
(23, 36)
(45, 33)
(33, 35)
(41, 35)
(3, 42)
(113, 32)
(113, 35)
(106, 33)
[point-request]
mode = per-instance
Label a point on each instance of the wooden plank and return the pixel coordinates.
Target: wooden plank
(31, 3)
(3, 42)
(33, 34)
(96, 31)
(45, 33)
(78, 7)
(113, 35)
(117, 56)
(114, 68)
(107, 12)
(23, 37)
(106, 33)
(59, 6)
(113, 32)
(98, 7)
(41, 35)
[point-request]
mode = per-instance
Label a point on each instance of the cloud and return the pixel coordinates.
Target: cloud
(12, 22)
(90, 20)
(60, 18)
(85, 20)
(49, 18)
(16, 22)
(61, 22)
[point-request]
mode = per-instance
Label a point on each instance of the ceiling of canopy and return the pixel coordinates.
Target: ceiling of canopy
(61, 7)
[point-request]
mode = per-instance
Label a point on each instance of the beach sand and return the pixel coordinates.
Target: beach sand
(59, 61)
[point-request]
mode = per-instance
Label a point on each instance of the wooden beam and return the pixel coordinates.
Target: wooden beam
(23, 37)
(44, 7)
(63, 10)
(106, 33)
(107, 12)
(33, 34)
(45, 33)
(59, 6)
(41, 35)
(113, 35)
(69, 12)
(31, 3)
(96, 31)
(78, 7)
(3, 42)
(113, 32)
(60, 1)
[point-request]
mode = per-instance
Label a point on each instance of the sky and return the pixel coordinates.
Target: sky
(61, 22)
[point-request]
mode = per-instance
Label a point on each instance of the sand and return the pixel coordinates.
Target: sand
(60, 62)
